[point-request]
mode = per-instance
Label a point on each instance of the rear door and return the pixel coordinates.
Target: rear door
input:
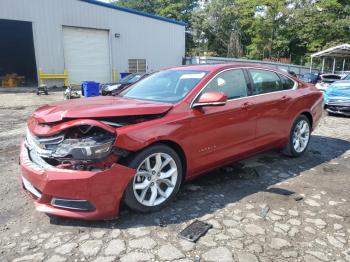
(273, 96)
(223, 132)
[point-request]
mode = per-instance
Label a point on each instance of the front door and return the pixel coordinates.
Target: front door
(221, 133)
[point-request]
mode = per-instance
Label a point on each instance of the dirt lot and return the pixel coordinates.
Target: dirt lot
(308, 201)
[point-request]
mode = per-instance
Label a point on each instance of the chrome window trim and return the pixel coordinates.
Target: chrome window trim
(208, 104)
(248, 67)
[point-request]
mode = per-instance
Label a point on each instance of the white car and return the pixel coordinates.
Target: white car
(326, 80)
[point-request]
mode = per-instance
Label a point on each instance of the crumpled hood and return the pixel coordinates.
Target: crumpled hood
(96, 107)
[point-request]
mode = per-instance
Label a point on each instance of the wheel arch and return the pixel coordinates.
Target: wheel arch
(179, 150)
(309, 117)
(172, 144)
(304, 113)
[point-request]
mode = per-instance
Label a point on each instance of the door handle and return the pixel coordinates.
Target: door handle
(285, 98)
(247, 106)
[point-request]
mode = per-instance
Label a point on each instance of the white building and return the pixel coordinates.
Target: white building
(91, 40)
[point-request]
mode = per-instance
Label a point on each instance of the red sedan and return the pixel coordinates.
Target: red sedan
(81, 158)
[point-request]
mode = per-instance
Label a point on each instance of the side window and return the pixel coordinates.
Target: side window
(287, 83)
(232, 83)
(265, 81)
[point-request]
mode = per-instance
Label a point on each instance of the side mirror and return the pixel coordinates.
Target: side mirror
(211, 99)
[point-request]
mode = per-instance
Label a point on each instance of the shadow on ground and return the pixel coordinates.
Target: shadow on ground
(230, 184)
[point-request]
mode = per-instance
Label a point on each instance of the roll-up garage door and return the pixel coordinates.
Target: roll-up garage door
(86, 54)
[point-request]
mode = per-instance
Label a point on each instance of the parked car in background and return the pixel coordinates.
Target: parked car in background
(292, 73)
(337, 98)
(115, 88)
(310, 77)
(326, 80)
(82, 157)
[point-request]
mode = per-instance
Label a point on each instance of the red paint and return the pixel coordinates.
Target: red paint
(212, 97)
(100, 106)
(209, 137)
(49, 130)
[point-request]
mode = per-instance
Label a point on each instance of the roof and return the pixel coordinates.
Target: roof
(336, 51)
(133, 11)
(214, 67)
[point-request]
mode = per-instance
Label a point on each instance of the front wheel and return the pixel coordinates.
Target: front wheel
(157, 180)
(299, 137)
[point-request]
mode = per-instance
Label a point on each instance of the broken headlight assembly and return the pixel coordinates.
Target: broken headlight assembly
(82, 144)
(88, 148)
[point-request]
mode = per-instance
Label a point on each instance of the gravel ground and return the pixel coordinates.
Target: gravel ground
(307, 199)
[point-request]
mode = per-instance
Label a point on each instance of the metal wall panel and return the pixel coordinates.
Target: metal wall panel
(88, 59)
(161, 43)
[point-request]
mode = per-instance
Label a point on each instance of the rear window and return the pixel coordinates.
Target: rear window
(287, 83)
(265, 81)
(332, 77)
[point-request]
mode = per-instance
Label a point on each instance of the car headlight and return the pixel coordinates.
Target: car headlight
(86, 143)
(88, 148)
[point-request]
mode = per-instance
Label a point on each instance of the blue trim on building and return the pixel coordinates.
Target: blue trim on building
(136, 12)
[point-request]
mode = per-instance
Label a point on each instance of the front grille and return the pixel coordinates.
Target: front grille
(37, 148)
(43, 146)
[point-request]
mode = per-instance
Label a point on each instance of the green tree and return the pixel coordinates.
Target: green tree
(256, 29)
(174, 9)
(271, 28)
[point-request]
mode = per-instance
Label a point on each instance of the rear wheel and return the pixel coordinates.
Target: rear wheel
(157, 179)
(299, 137)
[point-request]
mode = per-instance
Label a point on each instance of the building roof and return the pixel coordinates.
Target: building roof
(136, 12)
(336, 51)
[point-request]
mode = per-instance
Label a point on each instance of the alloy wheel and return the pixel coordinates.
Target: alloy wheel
(155, 179)
(301, 136)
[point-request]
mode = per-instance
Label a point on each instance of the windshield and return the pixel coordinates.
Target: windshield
(130, 78)
(347, 77)
(165, 86)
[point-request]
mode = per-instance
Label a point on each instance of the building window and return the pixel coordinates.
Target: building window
(137, 65)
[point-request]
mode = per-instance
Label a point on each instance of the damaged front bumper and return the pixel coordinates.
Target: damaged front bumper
(78, 194)
(341, 108)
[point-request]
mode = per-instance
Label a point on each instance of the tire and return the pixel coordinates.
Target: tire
(292, 148)
(152, 180)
